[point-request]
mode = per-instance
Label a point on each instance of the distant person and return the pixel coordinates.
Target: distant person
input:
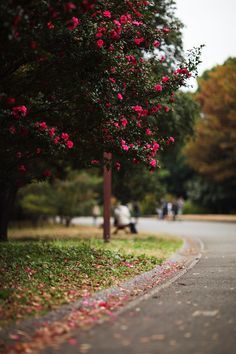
(96, 212)
(164, 210)
(136, 212)
(180, 203)
(159, 213)
(122, 219)
(169, 210)
(174, 210)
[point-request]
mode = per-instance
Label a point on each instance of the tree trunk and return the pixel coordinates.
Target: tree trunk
(7, 199)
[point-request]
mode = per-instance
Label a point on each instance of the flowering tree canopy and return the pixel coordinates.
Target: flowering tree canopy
(83, 77)
(78, 79)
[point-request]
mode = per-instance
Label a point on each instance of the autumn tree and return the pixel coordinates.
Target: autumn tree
(212, 152)
(77, 80)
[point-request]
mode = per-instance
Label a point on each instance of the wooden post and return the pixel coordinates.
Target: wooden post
(106, 199)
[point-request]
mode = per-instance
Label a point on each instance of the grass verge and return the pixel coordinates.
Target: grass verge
(41, 275)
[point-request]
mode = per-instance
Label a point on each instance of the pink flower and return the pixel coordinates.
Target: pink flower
(155, 146)
(73, 23)
(107, 13)
(112, 80)
(70, 144)
(148, 131)
(19, 111)
(183, 71)
(165, 79)
(100, 43)
(56, 140)
(156, 44)
(33, 45)
(114, 34)
(95, 162)
(47, 173)
(99, 34)
(65, 136)
(138, 41)
(38, 151)
(139, 124)
(171, 139)
(111, 48)
(69, 6)
(117, 166)
(144, 113)
(12, 129)
(102, 29)
(52, 132)
(50, 25)
(43, 125)
(163, 58)
(166, 30)
(124, 122)
(22, 169)
(124, 146)
(119, 96)
(153, 163)
(138, 109)
(123, 19)
(10, 100)
(117, 23)
(19, 154)
(158, 88)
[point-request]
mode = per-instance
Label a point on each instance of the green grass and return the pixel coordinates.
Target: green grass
(37, 276)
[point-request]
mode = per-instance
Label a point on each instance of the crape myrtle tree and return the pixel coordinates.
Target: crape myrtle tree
(77, 81)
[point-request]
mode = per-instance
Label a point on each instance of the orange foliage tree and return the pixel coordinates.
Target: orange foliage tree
(212, 152)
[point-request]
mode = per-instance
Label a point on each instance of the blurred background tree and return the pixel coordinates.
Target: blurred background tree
(73, 196)
(212, 152)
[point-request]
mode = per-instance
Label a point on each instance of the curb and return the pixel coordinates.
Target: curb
(129, 293)
(177, 257)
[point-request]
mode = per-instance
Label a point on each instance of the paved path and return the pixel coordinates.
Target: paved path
(196, 314)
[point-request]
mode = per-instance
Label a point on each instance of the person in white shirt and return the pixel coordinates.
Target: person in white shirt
(122, 217)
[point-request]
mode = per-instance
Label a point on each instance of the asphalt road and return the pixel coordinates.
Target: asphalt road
(194, 315)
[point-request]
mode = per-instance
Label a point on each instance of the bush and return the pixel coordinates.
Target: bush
(192, 208)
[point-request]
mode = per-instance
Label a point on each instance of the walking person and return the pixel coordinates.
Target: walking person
(95, 213)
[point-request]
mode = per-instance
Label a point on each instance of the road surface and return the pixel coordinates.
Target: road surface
(194, 315)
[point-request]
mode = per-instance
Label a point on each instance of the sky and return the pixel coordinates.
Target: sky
(209, 22)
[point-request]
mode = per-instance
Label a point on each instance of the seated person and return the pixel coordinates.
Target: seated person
(122, 218)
